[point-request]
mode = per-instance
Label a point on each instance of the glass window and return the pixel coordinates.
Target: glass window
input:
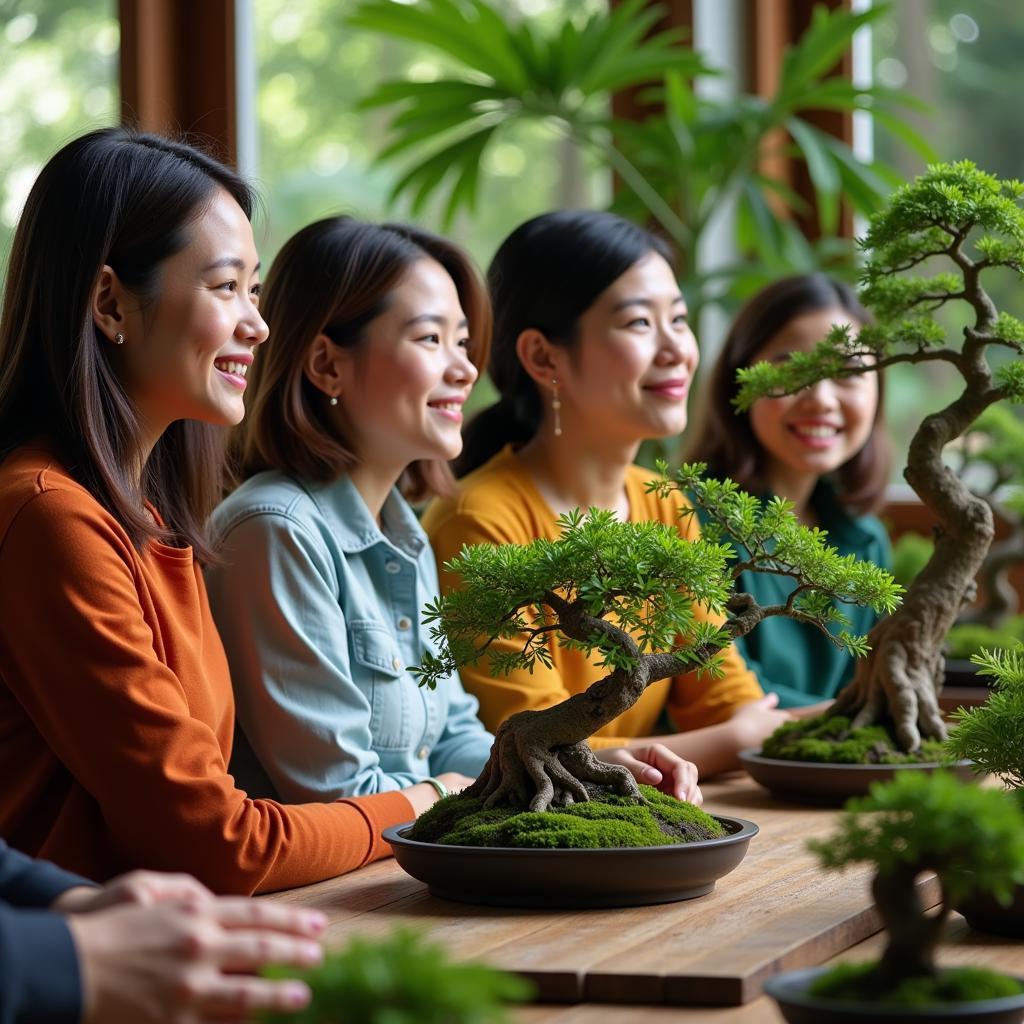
(963, 60)
(58, 78)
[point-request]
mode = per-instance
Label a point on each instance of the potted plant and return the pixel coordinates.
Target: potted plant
(973, 839)
(626, 593)
(992, 736)
(970, 221)
(401, 979)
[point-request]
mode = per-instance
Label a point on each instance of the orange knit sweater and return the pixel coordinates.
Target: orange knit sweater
(116, 712)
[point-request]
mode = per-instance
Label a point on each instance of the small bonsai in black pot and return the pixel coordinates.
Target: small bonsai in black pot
(973, 840)
(992, 736)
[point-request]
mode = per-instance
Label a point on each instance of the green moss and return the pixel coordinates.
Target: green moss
(858, 982)
(830, 740)
(603, 821)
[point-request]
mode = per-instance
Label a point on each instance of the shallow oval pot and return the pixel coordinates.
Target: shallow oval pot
(607, 877)
(986, 914)
(830, 785)
(797, 1006)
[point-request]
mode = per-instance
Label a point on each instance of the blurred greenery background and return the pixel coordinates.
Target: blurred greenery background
(317, 152)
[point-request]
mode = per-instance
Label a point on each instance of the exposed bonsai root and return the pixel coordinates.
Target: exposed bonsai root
(524, 771)
(901, 680)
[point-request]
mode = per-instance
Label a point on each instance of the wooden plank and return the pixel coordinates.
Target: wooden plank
(776, 911)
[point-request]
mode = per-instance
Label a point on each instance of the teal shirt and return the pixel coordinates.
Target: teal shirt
(793, 659)
(320, 612)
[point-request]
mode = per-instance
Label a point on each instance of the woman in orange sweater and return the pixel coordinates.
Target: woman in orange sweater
(130, 319)
(592, 354)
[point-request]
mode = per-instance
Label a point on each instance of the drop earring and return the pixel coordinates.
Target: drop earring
(119, 338)
(334, 400)
(556, 406)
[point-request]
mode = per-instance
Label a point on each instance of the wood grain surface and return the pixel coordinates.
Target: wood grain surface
(776, 911)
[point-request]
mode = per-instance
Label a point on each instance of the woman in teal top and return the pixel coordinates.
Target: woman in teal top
(378, 332)
(824, 449)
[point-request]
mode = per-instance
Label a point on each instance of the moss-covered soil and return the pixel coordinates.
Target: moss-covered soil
(857, 982)
(830, 740)
(606, 820)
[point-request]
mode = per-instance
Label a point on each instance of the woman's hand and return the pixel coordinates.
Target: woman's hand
(753, 723)
(142, 888)
(655, 765)
(423, 795)
(192, 962)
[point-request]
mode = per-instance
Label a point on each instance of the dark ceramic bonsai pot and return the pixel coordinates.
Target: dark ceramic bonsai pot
(985, 913)
(961, 672)
(830, 785)
(790, 991)
(606, 877)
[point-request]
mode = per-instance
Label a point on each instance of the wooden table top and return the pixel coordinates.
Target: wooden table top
(777, 911)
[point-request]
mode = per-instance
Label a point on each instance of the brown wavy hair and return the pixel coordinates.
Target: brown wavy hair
(126, 199)
(333, 277)
(724, 439)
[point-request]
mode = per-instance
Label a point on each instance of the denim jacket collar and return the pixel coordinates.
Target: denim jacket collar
(354, 529)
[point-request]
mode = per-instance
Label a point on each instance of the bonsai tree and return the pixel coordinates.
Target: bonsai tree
(401, 979)
(625, 592)
(992, 734)
(972, 838)
(965, 218)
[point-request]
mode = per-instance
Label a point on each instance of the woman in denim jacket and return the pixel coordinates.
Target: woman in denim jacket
(355, 407)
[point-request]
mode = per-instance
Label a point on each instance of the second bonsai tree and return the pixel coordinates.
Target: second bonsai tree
(625, 593)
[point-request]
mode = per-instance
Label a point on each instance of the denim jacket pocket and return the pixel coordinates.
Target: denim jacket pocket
(382, 677)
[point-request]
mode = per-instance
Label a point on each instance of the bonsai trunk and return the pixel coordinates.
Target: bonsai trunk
(903, 674)
(913, 935)
(541, 759)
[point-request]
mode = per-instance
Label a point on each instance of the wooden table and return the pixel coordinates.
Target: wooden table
(776, 911)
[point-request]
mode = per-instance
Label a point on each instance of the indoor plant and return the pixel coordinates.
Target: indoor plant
(973, 839)
(960, 216)
(625, 592)
(401, 979)
(992, 736)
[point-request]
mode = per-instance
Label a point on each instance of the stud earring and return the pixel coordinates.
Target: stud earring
(556, 406)
(334, 400)
(119, 338)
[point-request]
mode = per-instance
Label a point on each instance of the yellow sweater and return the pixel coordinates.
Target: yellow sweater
(499, 504)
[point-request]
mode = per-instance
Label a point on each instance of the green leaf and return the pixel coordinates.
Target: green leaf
(821, 169)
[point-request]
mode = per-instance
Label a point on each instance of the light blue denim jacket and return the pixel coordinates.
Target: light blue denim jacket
(320, 613)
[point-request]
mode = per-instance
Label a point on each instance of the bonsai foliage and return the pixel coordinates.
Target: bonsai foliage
(689, 156)
(401, 979)
(972, 838)
(971, 222)
(626, 594)
(992, 734)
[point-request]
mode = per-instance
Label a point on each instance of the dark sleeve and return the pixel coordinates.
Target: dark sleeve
(39, 979)
(25, 882)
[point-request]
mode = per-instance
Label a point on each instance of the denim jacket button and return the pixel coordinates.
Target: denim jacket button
(396, 662)
(392, 567)
(404, 623)
(423, 753)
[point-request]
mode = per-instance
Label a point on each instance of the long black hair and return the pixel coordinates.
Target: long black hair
(545, 276)
(129, 200)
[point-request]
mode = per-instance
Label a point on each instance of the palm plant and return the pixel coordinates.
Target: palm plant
(690, 157)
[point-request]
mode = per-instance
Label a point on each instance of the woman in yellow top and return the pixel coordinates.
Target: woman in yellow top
(592, 354)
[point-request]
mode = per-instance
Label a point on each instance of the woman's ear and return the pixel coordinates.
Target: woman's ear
(541, 360)
(326, 367)
(109, 300)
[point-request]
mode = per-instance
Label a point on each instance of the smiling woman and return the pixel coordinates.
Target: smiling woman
(379, 333)
(116, 710)
(592, 355)
(823, 448)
